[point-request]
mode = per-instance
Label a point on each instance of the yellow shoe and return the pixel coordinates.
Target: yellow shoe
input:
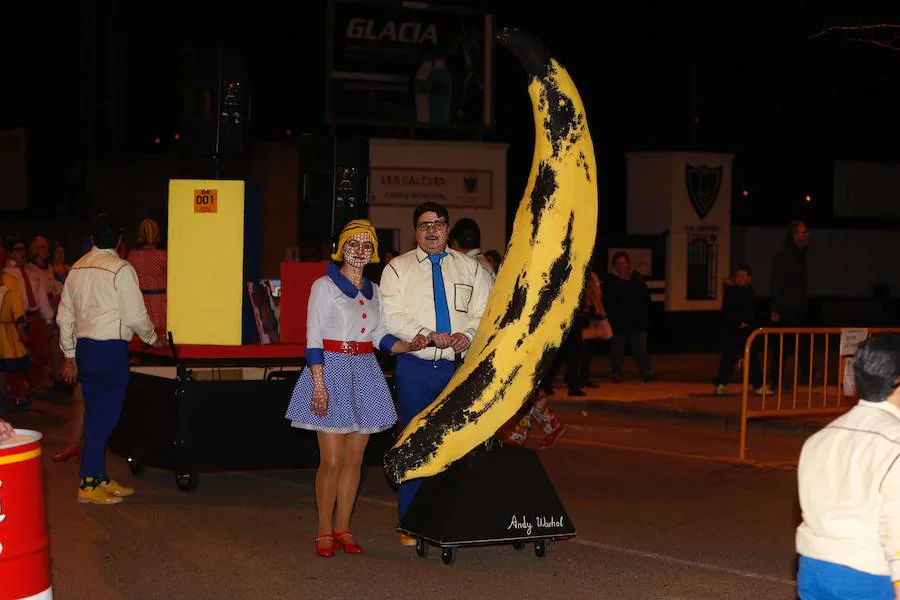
(114, 489)
(96, 495)
(407, 540)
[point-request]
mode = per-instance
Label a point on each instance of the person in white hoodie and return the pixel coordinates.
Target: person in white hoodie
(849, 485)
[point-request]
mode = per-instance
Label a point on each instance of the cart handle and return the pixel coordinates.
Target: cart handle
(171, 340)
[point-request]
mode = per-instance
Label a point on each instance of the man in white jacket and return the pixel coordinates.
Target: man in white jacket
(439, 295)
(100, 311)
(849, 483)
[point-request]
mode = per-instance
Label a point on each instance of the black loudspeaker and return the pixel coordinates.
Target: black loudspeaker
(334, 185)
(216, 112)
(494, 495)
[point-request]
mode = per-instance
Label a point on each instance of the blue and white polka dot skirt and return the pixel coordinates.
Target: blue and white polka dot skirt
(358, 397)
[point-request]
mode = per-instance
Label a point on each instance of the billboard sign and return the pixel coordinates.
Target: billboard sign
(409, 64)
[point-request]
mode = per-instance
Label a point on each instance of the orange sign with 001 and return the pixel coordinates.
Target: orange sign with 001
(206, 201)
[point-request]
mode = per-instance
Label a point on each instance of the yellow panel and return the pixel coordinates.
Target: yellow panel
(206, 261)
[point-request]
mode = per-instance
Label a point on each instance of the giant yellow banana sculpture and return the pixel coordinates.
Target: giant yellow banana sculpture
(537, 290)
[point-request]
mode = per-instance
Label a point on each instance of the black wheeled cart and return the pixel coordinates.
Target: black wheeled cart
(494, 495)
(194, 409)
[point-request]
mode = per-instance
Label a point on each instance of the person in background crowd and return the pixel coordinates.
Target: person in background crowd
(596, 314)
(493, 257)
(150, 263)
(39, 266)
(60, 269)
(849, 488)
(100, 311)
(628, 303)
(465, 237)
(738, 316)
(6, 430)
(38, 315)
(76, 427)
(343, 395)
(437, 295)
(572, 353)
(788, 286)
(13, 350)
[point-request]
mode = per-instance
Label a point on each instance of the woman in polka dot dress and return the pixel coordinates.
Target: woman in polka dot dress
(343, 395)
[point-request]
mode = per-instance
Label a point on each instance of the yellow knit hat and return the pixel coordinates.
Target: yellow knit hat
(352, 228)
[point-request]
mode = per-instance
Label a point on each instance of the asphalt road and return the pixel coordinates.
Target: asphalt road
(657, 517)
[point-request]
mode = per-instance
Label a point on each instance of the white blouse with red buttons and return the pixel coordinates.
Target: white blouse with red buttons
(338, 311)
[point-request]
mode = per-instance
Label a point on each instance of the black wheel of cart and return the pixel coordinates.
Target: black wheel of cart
(448, 555)
(136, 465)
(421, 547)
(518, 545)
(540, 549)
(187, 482)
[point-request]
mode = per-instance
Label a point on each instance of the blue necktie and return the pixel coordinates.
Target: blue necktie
(441, 310)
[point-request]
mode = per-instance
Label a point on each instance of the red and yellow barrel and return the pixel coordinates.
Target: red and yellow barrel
(24, 542)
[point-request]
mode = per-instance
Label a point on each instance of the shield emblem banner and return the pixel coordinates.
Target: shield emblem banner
(703, 184)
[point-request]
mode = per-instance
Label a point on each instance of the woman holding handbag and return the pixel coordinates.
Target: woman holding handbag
(598, 327)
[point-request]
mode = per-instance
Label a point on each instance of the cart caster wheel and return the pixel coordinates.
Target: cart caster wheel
(540, 549)
(448, 555)
(421, 547)
(187, 482)
(135, 465)
(518, 545)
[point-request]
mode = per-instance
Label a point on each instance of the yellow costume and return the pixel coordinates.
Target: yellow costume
(13, 354)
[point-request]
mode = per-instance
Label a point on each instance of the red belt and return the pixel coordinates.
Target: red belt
(347, 347)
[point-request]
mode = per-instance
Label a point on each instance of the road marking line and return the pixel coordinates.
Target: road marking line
(583, 542)
(591, 444)
(782, 464)
(684, 561)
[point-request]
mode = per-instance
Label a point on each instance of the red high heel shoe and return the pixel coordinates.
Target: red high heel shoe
(66, 454)
(348, 547)
(322, 550)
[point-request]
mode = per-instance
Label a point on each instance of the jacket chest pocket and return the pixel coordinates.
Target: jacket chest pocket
(462, 294)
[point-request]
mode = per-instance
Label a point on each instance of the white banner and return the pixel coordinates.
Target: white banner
(408, 186)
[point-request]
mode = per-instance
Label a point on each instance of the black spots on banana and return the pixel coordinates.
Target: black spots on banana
(543, 364)
(519, 342)
(582, 162)
(563, 122)
(452, 414)
(474, 415)
(541, 194)
(516, 303)
(558, 273)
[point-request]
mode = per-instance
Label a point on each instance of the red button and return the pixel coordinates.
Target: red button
(361, 302)
(364, 315)
(363, 330)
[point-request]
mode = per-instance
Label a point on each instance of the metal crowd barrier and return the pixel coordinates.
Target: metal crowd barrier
(816, 383)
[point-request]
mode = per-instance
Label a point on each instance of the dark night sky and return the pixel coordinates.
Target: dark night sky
(784, 104)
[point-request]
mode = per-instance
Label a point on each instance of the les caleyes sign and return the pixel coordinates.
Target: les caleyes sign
(206, 201)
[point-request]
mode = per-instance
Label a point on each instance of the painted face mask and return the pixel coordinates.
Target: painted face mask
(358, 250)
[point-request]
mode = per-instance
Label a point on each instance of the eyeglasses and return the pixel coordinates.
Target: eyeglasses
(437, 225)
(354, 245)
